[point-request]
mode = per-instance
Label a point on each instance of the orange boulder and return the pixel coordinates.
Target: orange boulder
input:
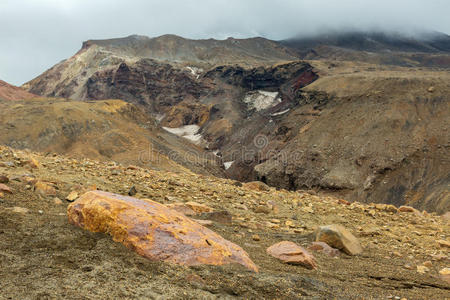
(154, 230)
(4, 188)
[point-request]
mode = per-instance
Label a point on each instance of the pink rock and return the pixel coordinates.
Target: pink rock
(4, 188)
(325, 248)
(292, 253)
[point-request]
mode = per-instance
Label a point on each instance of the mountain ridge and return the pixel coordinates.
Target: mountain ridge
(252, 113)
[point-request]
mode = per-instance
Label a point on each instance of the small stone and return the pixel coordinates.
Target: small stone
(438, 257)
(5, 189)
(19, 210)
(237, 183)
(72, 196)
(57, 201)
(431, 89)
(272, 225)
(181, 208)
(344, 202)
(256, 186)
(324, 247)
(428, 264)
(4, 179)
(407, 209)
(444, 274)
(256, 237)
(292, 253)
(446, 216)
(408, 266)
(386, 207)
(223, 217)
(340, 238)
(40, 212)
(443, 243)
(197, 207)
(132, 191)
(308, 209)
(262, 209)
(422, 269)
(33, 163)
(203, 222)
(290, 224)
(44, 188)
(396, 253)
(273, 206)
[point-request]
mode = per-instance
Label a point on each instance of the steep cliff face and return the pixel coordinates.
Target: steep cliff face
(380, 137)
(133, 58)
(154, 85)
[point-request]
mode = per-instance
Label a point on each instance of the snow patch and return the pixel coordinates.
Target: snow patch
(280, 113)
(189, 132)
(228, 164)
(195, 71)
(159, 117)
(261, 100)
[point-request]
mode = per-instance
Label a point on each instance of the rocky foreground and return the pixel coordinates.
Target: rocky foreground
(385, 252)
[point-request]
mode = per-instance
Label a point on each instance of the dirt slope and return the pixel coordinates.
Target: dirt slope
(106, 130)
(53, 259)
(10, 92)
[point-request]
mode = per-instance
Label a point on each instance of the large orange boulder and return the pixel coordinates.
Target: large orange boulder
(154, 230)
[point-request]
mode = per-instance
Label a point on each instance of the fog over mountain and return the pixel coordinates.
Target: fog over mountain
(38, 33)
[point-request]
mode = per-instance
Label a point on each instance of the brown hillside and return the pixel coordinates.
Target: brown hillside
(10, 92)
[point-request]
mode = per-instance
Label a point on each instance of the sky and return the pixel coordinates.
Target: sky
(37, 34)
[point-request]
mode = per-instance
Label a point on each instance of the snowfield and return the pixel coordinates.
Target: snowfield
(195, 71)
(261, 100)
(228, 164)
(280, 112)
(189, 132)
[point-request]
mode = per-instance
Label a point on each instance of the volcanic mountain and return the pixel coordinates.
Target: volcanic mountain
(371, 130)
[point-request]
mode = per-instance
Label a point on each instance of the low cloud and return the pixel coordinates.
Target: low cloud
(36, 34)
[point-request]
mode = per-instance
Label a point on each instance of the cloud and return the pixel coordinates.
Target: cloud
(36, 34)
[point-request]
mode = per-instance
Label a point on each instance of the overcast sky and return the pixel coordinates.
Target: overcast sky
(36, 34)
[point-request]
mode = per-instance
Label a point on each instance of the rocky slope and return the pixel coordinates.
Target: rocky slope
(371, 134)
(404, 252)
